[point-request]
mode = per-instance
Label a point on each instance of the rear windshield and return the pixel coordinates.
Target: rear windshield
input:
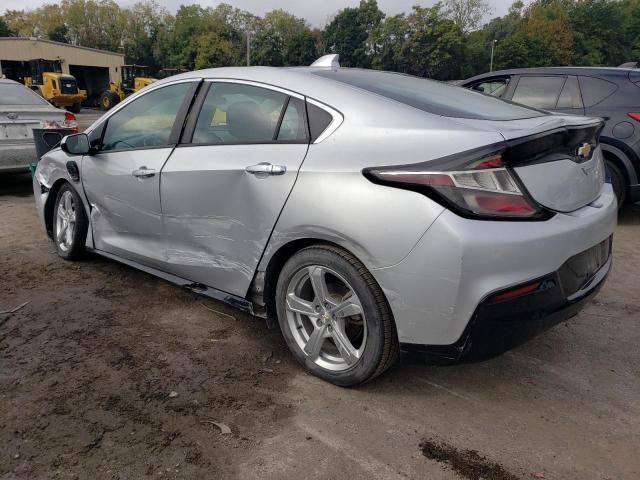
(431, 96)
(14, 94)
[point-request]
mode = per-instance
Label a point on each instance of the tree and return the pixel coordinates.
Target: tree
(283, 40)
(213, 51)
(58, 33)
(597, 33)
(4, 29)
(144, 21)
(348, 34)
(467, 14)
(388, 40)
(434, 44)
(547, 24)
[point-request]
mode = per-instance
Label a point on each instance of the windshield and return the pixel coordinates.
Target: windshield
(431, 96)
(16, 94)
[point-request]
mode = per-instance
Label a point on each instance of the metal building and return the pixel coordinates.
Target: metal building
(92, 68)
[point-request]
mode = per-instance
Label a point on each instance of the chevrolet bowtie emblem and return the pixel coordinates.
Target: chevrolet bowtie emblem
(584, 150)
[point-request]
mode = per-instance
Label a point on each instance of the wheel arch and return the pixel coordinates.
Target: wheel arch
(50, 204)
(621, 160)
(51, 201)
(263, 287)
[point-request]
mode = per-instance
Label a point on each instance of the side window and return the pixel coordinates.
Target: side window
(494, 87)
(570, 95)
(147, 121)
(293, 127)
(319, 120)
(235, 114)
(539, 92)
(595, 90)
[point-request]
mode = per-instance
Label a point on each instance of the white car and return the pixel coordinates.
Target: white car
(22, 110)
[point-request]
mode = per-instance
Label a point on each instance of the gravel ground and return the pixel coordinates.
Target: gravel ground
(109, 373)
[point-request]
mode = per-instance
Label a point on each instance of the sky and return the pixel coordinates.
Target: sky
(316, 12)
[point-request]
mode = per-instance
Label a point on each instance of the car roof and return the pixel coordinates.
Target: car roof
(299, 80)
(587, 71)
(7, 80)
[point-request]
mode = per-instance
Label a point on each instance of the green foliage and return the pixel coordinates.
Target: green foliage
(443, 41)
(58, 33)
(348, 34)
(434, 44)
(283, 40)
(4, 29)
(213, 51)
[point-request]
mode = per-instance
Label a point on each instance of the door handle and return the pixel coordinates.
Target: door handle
(266, 169)
(143, 172)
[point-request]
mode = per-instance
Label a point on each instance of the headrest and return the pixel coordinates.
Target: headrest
(246, 121)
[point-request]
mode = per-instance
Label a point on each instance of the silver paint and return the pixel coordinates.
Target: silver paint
(203, 218)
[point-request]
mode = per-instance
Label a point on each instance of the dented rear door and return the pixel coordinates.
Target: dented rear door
(224, 187)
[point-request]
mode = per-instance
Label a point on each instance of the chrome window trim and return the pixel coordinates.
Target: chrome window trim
(338, 118)
(138, 94)
(256, 84)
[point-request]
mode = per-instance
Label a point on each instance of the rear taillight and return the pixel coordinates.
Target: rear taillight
(70, 121)
(483, 187)
(635, 116)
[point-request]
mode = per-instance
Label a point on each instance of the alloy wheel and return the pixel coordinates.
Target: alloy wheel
(65, 221)
(326, 318)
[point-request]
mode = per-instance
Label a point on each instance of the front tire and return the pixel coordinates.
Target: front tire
(108, 100)
(334, 316)
(70, 223)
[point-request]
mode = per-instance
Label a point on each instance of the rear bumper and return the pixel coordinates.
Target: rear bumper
(17, 157)
(438, 288)
(499, 326)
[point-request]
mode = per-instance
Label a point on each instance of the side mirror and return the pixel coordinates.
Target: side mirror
(77, 144)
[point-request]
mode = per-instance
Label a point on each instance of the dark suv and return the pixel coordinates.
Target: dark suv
(610, 93)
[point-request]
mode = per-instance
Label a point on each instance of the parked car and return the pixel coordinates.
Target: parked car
(459, 226)
(22, 110)
(610, 93)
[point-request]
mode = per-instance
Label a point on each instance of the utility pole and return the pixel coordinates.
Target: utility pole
(248, 46)
(493, 44)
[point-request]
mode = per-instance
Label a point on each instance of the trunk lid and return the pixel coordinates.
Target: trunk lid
(556, 157)
(18, 121)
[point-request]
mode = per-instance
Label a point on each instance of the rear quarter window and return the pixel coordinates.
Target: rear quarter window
(538, 91)
(595, 90)
(319, 120)
(431, 96)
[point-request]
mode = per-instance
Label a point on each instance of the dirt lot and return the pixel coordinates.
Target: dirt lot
(88, 367)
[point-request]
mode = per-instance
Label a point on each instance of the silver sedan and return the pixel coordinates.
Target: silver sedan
(22, 110)
(367, 213)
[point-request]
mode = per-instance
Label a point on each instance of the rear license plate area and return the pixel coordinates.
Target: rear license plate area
(578, 271)
(17, 131)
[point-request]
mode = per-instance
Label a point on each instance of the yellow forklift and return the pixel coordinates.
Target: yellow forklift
(46, 78)
(134, 78)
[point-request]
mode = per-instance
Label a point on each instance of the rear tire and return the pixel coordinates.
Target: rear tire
(617, 182)
(347, 334)
(108, 100)
(70, 224)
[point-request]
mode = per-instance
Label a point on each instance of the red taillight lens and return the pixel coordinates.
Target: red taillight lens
(635, 116)
(483, 187)
(70, 121)
(516, 292)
